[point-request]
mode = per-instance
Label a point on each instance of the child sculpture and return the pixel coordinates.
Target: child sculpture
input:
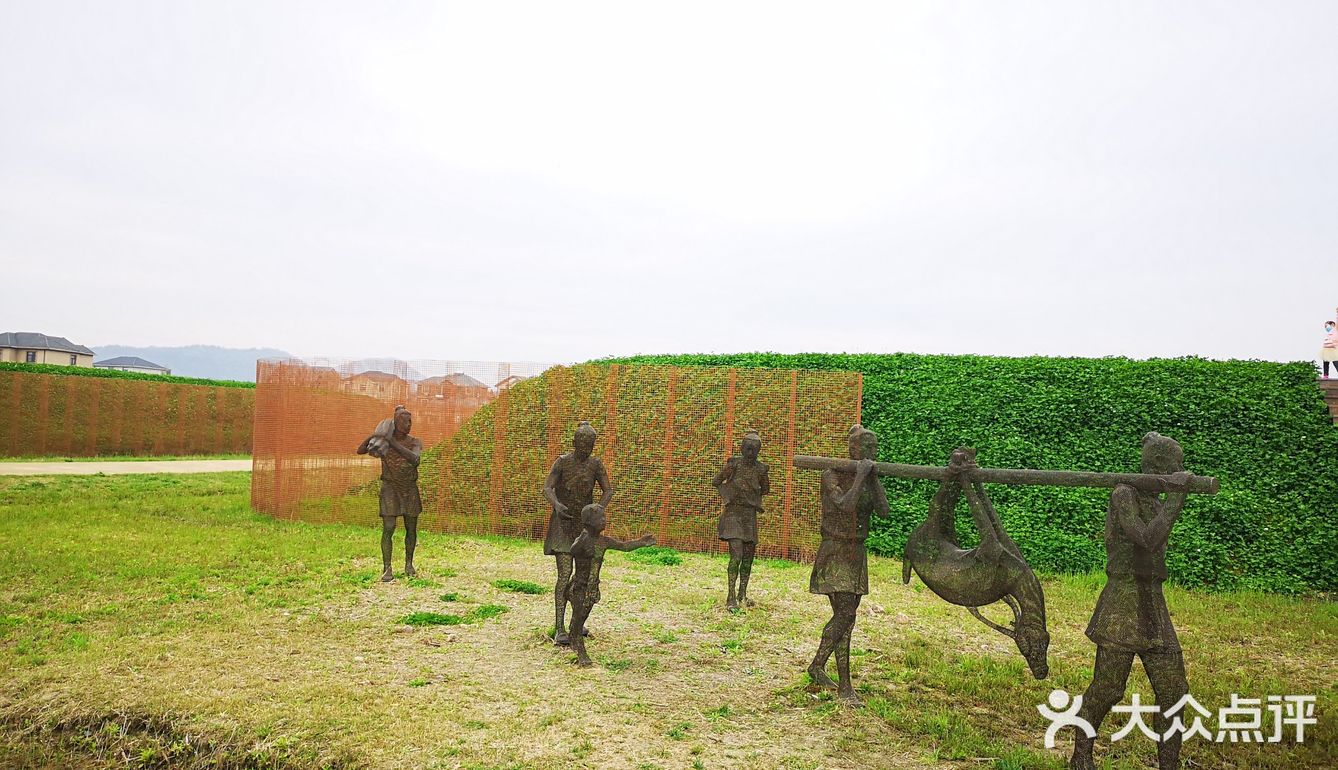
(588, 553)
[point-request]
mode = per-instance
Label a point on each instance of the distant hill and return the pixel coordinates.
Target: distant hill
(209, 361)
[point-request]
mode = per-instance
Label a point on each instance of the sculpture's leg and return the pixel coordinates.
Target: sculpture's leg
(987, 507)
(387, 542)
(560, 598)
(580, 611)
(1106, 689)
(831, 634)
(735, 559)
(1166, 672)
(985, 518)
(410, 543)
(943, 507)
(846, 691)
(745, 572)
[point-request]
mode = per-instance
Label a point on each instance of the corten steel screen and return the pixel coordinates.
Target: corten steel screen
(70, 415)
(663, 434)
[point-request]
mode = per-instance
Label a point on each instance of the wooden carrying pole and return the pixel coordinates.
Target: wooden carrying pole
(1204, 485)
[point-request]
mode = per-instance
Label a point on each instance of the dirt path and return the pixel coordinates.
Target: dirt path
(138, 466)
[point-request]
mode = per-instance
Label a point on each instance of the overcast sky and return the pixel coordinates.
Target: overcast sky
(557, 181)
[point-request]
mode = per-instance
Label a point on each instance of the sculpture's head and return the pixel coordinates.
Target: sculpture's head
(1162, 455)
(1028, 629)
(751, 446)
(863, 443)
(592, 517)
(403, 421)
(1033, 641)
(584, 440)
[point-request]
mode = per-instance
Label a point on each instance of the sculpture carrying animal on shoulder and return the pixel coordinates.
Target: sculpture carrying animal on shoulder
(992, 571)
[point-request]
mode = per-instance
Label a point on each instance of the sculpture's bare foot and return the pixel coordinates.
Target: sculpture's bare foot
(747, 602)
(409, 571)
(848, 697)
(732, 604)
(387, 576)
(561, 638)
(820, 678)
(584, 662)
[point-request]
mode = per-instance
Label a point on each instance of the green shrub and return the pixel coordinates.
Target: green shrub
(519, 586)
(656, 554)
(485, 611)
(1262, 428)
(481, 612)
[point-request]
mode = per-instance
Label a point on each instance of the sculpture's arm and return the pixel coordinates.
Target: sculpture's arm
(1153, 534)
(550, 489)
(626, 545)
(724, 475)
(829, 488)
(602, 478)
(845, 499)
(880, 505)
(412, 450)
(1176, 500)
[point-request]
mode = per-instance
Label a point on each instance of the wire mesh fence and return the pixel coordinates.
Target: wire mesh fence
(492, 431)
(76, 416)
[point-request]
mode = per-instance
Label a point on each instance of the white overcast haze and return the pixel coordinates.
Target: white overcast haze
(558, 181)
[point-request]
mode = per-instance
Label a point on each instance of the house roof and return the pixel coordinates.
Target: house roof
(458, 379)
(134, 361)
(373, 375)
(35, 341)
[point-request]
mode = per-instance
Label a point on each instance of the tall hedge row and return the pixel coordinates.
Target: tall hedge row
(1260, 427)
(117, 374)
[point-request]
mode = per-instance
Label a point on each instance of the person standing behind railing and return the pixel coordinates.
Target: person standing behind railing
(1329, 350)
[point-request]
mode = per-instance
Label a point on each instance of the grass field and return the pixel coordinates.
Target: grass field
(154, 621)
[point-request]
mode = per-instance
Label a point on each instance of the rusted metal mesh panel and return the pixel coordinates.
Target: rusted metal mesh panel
(70, 415)
(311, 416)
(663, 434)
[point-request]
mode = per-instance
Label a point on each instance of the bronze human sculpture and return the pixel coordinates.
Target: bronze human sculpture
(588, 552)
(841, 567)
(1131, 617)
(992, 571)
(569, 488)
(741, 484)
(399, 453)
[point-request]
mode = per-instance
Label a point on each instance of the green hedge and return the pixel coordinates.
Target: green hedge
(115, 374)
(1262, 428)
